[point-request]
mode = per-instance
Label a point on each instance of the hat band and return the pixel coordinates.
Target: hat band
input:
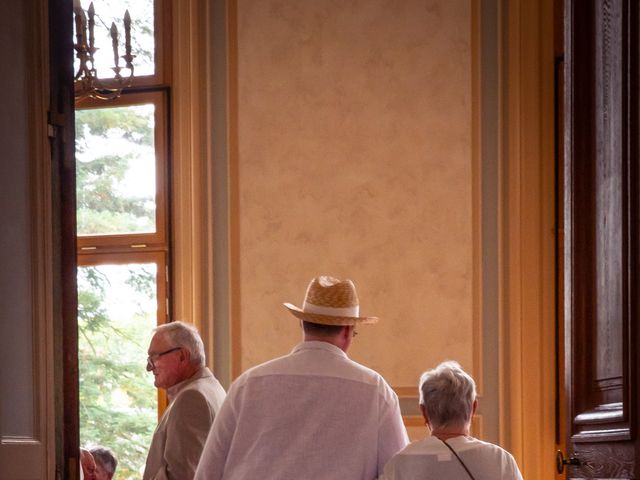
(331, 311)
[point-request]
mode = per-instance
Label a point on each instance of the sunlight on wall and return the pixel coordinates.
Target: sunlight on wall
(354, 159)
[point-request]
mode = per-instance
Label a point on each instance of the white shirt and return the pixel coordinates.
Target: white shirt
(430, 459)
(313, 414)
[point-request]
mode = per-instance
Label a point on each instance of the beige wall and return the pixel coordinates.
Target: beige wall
(353, 157)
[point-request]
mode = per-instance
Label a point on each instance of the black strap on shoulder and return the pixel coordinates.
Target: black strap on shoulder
(459, 459)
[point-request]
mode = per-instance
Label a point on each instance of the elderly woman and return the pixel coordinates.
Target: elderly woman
(447, 402)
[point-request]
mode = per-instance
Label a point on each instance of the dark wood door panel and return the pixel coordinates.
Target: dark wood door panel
(601, 236)
(604, 461)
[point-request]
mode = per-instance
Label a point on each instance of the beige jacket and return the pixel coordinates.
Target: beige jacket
(179, 438)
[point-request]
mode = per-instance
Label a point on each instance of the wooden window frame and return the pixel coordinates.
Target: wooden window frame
(93, 250)
(161, 259)
(158, 240)
(157, 257)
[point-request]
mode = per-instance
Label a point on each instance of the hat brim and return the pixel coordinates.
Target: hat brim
(328, 319)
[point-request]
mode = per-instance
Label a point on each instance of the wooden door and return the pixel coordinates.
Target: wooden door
(602, 234)
(63, 193)
(37, 251)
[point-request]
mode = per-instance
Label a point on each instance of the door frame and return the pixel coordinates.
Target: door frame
(63, 198)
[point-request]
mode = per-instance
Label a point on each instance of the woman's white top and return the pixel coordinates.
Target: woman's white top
(430, 459)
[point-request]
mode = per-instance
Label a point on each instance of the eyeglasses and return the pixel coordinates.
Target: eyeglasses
(150, 358)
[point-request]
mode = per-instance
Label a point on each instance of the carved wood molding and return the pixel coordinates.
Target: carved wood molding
(604, 461)
(601, 212)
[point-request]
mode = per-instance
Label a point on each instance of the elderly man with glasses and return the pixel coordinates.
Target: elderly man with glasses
(176, 359)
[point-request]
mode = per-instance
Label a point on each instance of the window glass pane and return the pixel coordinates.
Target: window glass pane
(142, 35)
(115, 168)
(117, 308)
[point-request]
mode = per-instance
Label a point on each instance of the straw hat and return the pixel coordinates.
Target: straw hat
(330, 301)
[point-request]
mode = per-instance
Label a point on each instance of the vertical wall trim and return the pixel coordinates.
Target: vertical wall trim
(42, 247)
(191, 168)
(527, 323)
(185, 167)
(205, 176)
(234, 192)
(219, 110)
(488, 211)
(477, 107)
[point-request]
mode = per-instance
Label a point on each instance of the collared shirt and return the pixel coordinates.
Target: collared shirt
(313, 414)
(178, 440)
(430, 459)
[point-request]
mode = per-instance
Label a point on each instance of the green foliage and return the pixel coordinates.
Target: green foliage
(117, 399)
(116, 303)
(128, 123)
(109, 142)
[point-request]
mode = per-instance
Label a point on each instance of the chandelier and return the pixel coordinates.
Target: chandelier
(86, 81)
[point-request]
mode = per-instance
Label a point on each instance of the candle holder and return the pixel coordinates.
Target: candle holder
(86, 81)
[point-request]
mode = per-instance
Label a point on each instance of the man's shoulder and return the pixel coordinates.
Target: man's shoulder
(265, 368)
(205, 389)
(208, 384)
(194, 392)
(194, 401)
(364, 370)
(316, 364)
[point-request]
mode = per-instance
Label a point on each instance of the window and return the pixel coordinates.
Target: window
(122, 237)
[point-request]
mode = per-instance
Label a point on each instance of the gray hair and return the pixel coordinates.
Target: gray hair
(180, 334)
(447, 393)
(106, 458)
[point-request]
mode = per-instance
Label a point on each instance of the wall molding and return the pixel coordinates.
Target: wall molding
(191, 177)
(204, 257)
(477, 370)
(527, 236)
(406, 391)
(42, 242)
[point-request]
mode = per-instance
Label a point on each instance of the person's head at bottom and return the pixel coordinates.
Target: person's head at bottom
(447, 400)
(106, 463)
(87, 465)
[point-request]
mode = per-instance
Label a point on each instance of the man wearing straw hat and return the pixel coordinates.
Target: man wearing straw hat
(313, 414)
